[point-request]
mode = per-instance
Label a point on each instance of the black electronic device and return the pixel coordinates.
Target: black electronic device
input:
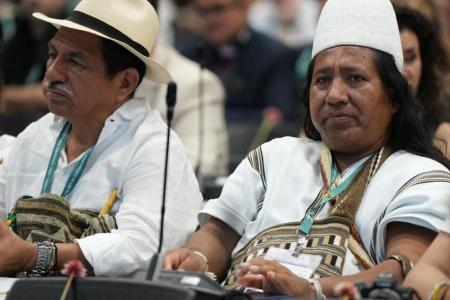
(204, 287)
(384, 287)
(96, 288)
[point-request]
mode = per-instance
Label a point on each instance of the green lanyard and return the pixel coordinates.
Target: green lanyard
(312, 212)
(306, 223)
(53, 163)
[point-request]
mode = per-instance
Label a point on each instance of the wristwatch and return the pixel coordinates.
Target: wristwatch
(46, 259)
(404, 262)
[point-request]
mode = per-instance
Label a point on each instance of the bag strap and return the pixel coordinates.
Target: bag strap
(356, 246)
(256, 161)
(425, 177)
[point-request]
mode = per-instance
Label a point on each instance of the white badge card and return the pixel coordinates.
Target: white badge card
(303, 266)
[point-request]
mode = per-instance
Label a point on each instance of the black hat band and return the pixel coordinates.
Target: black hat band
(106, 29)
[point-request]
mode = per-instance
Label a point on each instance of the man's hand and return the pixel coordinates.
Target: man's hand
(184, 259)
(273, 278)
(16, 255)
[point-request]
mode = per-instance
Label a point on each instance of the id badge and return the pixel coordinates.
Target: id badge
(303, 265)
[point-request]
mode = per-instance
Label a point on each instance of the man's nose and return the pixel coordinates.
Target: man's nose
(338, 92)
(56, 70)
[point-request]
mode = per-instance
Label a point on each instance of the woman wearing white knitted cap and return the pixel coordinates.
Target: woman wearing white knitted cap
(365, 194)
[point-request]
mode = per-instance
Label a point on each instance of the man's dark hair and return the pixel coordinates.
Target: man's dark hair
(407, 129)
(117, 59)
(435, 66)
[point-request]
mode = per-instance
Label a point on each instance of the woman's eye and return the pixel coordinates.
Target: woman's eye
(410, 58)
(321, 79)
(356, 78)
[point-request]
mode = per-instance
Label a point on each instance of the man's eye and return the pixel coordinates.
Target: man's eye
(73, 62)
(51, 58)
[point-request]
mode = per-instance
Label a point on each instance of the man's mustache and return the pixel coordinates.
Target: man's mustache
(58, 86)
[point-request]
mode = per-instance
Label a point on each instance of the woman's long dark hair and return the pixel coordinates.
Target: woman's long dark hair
(408, 130)
(431, 91)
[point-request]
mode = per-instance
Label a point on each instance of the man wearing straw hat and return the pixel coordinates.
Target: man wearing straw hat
(93, 167)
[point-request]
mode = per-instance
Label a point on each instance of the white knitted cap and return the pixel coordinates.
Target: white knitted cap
(367, 23)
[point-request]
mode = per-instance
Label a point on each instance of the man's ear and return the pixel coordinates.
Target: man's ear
(129, 79)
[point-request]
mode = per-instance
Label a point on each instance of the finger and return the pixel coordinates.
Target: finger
(194, 263)
(255, 269)
(173, 259)
(263, 266)
(244, 267)
(251, 280)
(240, 273)
(248, 269)
(258, 281)
(170, 261)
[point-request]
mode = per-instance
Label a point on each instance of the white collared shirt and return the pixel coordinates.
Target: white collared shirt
(129, 157)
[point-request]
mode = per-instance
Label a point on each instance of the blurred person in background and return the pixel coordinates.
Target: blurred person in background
(426, 8)
(257, 71)
(23, 63)
(178, 21)
(199, 117)
(292, 22)
(433, 13)
(426, 67)
(443, 8)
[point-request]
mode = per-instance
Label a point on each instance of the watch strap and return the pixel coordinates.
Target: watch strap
(45, 260)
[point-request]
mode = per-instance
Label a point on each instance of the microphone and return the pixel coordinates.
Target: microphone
(155, 263)
(171, 99)
(200, 284)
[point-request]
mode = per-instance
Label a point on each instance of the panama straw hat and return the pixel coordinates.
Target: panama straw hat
(133, 24)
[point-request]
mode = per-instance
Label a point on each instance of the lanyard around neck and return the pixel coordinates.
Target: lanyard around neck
(75, 175)
(306, 223)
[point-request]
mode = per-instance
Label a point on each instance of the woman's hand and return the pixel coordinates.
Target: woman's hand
(273, 278)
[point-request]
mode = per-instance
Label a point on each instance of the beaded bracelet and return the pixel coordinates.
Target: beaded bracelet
(318, 288)
(439, 291)
(203, 257)
(209, 274)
